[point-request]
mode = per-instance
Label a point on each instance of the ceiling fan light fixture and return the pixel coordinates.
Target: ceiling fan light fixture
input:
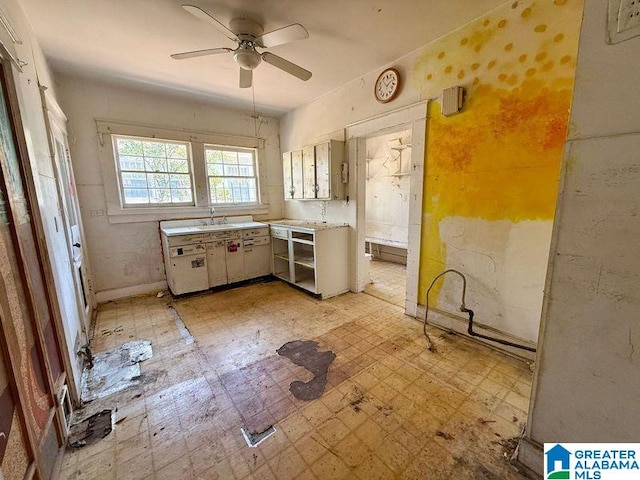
(247, 59)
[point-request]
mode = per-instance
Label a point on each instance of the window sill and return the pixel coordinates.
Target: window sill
(154, 214)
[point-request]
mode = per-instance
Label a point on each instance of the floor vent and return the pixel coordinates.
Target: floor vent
(253, 439)
(65, 407)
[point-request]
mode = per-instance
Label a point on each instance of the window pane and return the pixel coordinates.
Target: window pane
(154, 149)
(230, 157)
(129, 146)
(245, 158)
(213, 156)
(156, 164)
(181, 196)
(136, 195)
(175, 150)
(180, 181)
(178, 166)
(214, 169)
(158, 180)
(231, 170)
(160, 195)
(246, 171)
(131, 163)
(134, 180)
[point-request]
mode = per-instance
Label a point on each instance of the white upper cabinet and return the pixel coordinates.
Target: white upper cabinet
(288, 179)
(309, 172)
(314, 172)
(296, 175)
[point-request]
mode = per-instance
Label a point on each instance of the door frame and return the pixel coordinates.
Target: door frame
(414, 118)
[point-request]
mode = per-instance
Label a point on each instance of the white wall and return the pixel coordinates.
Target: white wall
(36, 70)
(126, 258)
(387, 196)
(588, 372)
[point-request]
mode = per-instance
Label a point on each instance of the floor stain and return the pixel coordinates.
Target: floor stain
(445, 435)
(305, 354)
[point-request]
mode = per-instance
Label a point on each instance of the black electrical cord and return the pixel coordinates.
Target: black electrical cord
(469, 312)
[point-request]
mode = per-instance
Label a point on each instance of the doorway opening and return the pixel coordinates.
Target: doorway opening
(387, 192)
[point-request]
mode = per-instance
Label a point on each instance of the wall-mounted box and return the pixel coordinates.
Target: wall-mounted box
(314, 172)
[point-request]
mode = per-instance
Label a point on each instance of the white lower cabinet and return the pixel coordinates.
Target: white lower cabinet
(315, 258)
(199, 261)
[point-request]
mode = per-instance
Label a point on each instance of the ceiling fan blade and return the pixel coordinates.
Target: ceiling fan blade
(283, 35)
(287, 66)
(200, 53)
(202, 15)
(246, 78)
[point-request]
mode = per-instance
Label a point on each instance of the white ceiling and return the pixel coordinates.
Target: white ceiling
(132, 40)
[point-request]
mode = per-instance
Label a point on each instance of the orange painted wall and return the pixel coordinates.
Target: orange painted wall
(499, 159)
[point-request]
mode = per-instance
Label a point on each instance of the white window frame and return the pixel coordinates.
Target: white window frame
(117, 213)
(118, 167)
(227, 148)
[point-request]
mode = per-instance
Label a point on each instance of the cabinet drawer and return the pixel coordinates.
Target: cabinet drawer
(250, 242)
(225, 235)
(185, 239)
(280, 232)
(255, 232)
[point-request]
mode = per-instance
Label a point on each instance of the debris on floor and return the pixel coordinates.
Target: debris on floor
(90, 430)
(253, 439)
(305, 354)
(115, 369)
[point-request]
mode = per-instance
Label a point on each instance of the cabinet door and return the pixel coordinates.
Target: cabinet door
(309, 172)
(216, 263)
(257, 260)
(235, 261)
(286, 173)
(296, 174)
(323, 180)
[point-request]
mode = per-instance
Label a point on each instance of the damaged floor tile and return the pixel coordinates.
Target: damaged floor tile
(90, 430)
(115, 370)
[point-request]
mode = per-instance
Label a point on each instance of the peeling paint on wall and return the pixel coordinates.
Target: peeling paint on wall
(498, 161)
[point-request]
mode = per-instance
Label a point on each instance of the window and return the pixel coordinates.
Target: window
(153, 172)
(232, 175)
(157, 173)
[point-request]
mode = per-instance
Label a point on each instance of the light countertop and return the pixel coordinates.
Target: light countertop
(306, 224)
(192, 229)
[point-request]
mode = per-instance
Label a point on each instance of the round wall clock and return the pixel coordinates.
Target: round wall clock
(387, 85)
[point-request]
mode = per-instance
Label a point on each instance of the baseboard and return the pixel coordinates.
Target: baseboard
(530, 458)
(118, 293)
(459, 325)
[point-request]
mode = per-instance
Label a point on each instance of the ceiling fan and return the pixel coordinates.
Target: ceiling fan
(249, 35)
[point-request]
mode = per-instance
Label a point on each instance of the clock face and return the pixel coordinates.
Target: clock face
(387, 85)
